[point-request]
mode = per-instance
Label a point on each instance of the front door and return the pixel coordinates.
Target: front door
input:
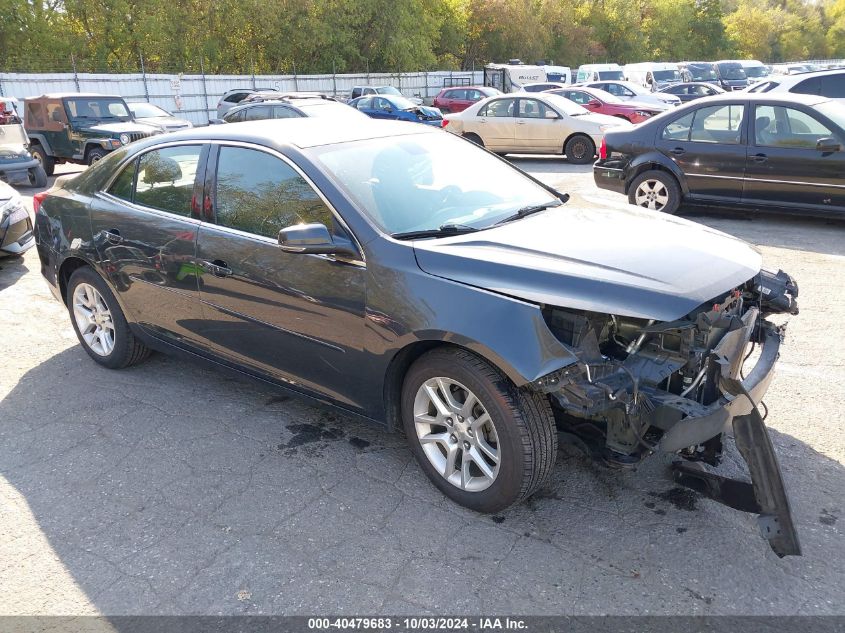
(58, 131)
(145, 229)
(496, 124)
(708, 145)
(298, 318)
(784, 166)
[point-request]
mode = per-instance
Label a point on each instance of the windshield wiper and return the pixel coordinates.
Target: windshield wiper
(443, 231)
(525, 211)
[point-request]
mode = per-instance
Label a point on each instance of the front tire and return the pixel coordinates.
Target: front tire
(99, 322)
(37, 177)
(47, 162)
(482, 441)
(580, 149)
(656, 190)
(95, 154)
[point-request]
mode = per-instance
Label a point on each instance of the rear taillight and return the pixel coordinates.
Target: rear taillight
(603, 149)
(444, 123)
(37, 199)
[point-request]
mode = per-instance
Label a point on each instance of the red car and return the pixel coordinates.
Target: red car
(596, 100)
(458, 99)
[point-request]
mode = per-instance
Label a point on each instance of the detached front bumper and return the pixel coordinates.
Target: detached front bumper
(17, 173)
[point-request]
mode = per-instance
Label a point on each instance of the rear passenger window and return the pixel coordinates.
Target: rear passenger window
(258, 113)
(166, 178)
(678, 130)
(717, 124)
(283, 112)
(808, 87)
(122, 185)
(833, 86)
(261, 194)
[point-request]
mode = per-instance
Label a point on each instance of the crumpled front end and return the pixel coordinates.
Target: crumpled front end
(643, 386)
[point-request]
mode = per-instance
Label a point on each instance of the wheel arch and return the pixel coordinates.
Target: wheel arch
(36, 137)
(66, 269)
(654, 161)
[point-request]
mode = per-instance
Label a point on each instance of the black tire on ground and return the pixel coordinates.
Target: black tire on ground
(475, 138)
(37, 177)
(42, 157)
(580, 149)
(128, 350)
(95, 154)
(523, 422)
(651, 187)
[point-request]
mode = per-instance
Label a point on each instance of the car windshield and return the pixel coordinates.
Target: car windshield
(732, 71)
(667, 75)
(388, 90)
(97, 108)
(402, 103)
(146, 110)
(756, 71)
(12, 136)
(702, 73)
(564, 105)
(833, 110)
(611, 75)
(421, 182)
(607, 97)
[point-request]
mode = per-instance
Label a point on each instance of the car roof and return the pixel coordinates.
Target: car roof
(763, 97)
(300, 132)
(789, 80)
(68, 95)
(300, 101)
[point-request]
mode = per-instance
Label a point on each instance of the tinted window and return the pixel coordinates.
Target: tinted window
(808, 86)
(234, 117)
(457, 94)
(776, 126)
(122, 185)
(236, 97)
(717, 124)
(833, 86)
(258, 113)
(678, 130)
(166, 178)
(261, 194)
(499, 108)
(364, 104)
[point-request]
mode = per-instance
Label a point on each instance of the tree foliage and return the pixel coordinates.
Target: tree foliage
(321, 36)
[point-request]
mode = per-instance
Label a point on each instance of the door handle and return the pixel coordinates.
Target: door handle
(218, 268)
(678, 151)
(520, 122)
(113, 236)
(760, 158)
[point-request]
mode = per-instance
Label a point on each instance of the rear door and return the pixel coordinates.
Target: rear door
(496, 123)
(298, 318)
(145, 228)
(785, 168)
(708, 145)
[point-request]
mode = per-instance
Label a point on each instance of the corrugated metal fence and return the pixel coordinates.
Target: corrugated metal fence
(195, 97)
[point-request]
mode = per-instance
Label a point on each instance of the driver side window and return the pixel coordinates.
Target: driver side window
(261, 194)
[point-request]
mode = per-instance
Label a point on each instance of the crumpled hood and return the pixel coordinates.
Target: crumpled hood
(119, 128)
(165, 122)
(631, 262)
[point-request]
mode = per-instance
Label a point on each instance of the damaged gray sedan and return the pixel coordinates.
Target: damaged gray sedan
(411, 278)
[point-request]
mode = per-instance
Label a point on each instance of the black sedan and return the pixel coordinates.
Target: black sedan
(412, 278)
(780, 152)
(692, 90)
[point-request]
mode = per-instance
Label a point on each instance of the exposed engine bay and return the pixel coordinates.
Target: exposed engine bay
(641, 386)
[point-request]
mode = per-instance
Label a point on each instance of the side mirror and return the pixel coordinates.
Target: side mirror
(388, 109)
(551, 114)
(828, 145)
(216, 121)
(313, 239)
(594, 103)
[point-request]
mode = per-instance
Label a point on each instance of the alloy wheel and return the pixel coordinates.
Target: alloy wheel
(93, 319)
(651, 194)
(457, 434)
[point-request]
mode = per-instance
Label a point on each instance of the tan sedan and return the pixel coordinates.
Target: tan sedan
(522, 123)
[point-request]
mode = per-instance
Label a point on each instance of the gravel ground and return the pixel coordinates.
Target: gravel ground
(169, 489)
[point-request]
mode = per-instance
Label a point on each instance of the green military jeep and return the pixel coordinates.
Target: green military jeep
(79, 128)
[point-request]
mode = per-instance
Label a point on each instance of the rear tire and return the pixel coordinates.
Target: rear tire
(580, 149)
(37, 177)
(47, 162)
(99, 322)
(656, 190)
(475, 138)
(484, 419)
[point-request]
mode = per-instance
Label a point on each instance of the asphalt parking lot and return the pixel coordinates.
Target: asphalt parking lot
(170, 489)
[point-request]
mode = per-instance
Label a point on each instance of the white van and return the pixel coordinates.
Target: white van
(559, 74)
(599, 72)
(654, 76)
(755, 70)
(511, 77)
